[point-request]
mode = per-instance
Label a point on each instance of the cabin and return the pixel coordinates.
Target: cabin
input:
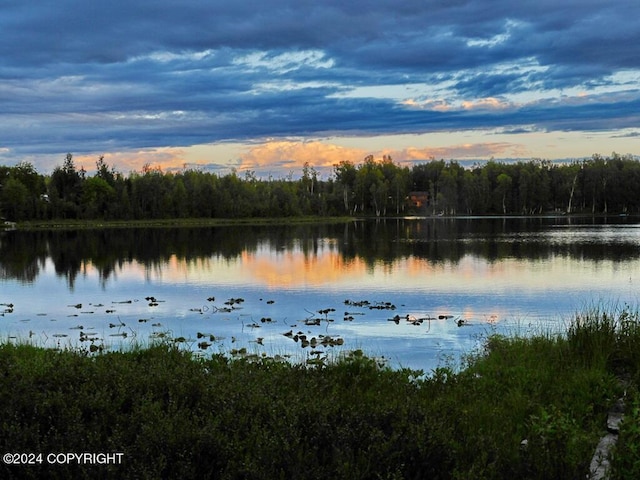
(418, 199)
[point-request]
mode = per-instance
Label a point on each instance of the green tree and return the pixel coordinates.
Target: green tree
(179, 199)
(66, 188)
(629, 175)
(345, 173)
(105, 173)
(564, 187)
(34, 203)
(370, 188)
(379, 190)
(13, 198)
(503, 189)
(97, 198)
(448, 194)
(396, 181)
(533, 186)
(400, 188)
(476, 191)
(123, 210)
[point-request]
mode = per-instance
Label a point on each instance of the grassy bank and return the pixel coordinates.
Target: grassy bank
(174, 416)
(176, 222)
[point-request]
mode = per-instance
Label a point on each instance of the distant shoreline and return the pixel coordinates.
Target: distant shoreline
(300, 220)
(175, 222)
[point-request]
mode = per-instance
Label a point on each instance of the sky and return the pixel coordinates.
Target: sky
(267, 86)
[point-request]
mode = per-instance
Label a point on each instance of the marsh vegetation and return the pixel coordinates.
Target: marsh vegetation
(528, 408)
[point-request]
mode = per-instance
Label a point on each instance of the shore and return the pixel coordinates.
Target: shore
(521, 407)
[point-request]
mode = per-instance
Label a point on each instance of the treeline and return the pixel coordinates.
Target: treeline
(598, 185)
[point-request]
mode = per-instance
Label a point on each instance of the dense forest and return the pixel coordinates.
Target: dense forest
(597, 185)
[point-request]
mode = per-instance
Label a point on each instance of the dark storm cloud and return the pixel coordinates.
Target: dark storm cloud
(95, 76)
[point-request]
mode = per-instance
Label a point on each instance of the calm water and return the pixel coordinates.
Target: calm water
(379, 286)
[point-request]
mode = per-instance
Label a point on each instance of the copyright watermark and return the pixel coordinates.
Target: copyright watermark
(63, 458)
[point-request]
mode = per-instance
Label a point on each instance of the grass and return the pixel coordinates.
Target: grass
(176, 222)
(530, 408)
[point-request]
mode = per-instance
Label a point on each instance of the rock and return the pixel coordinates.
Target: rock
(615, 416)
(613, 422)
(599, 468)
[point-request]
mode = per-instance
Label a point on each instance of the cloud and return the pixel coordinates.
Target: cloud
(126, 162)
(292, 155)
(463, 151)
(489, 103)
(123, 76)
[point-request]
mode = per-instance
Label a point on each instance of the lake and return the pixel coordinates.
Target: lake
(413, 292)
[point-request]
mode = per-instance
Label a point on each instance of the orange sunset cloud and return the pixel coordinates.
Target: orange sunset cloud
(490, 103)
(288, 156)
(467, 150)
(164, 158)
(293, 155)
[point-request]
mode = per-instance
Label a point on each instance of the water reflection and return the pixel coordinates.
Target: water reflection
(363, 243)
(488, 273)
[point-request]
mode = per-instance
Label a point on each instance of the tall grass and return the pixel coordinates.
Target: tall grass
(531, 408)
(607, 336)
(610, 338)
